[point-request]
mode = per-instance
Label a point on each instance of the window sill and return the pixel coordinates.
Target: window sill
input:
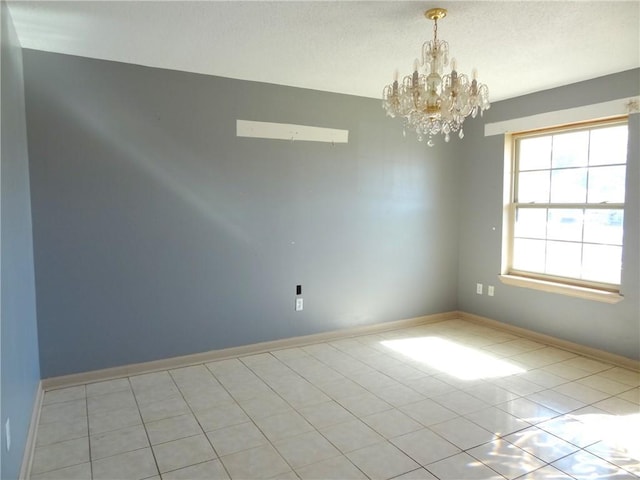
(571, 290)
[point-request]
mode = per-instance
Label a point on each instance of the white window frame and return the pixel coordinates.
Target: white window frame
(574, 287)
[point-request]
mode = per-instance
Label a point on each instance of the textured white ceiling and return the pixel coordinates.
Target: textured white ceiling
(344, 46)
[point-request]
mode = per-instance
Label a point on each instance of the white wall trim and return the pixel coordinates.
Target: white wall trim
(292, 132)
(30, 445)
(594, 353)
(213, 355)
(597, 111)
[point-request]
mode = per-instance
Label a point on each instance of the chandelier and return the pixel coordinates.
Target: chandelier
(431, 102)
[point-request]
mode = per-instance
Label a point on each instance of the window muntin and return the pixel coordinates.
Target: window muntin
(567, 204)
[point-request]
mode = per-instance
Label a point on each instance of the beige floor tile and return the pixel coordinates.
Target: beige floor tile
(111, 401)
(352, 435)
(118, 441)
(425, 447)
(236, 438)
(556, 401)
(497, 421)
(219, 417)
(546, 473)
(76, 472)
(428, 412)
(618, 406)
(581, 392)
(255, 463)
(506, 458)
(632, 395)
(333, 468)
(64, 395)
(431, 387)
(135, 465)
(356, 397)
(620, 453)
(542, 444)
(603, 383)
(211, 470)
(305, 449)
(283, 425)
(63, 412)
(462, 466)
(113, 420)
(392, 423)
(265, 405)
(364, 404)
(173, 406)
(461, 402)
(418, 474)
(583, 465)
(183, 453)
(574, 429)
(108, 386)
(382, 460)
(528, 410)
(325, 414)
(463, 433)
(60, 455)
(60, 431)
(173, 428)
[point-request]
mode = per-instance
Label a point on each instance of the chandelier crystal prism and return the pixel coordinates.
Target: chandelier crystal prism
(431, 102)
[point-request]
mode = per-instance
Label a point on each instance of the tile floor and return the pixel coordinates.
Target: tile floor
(449, 400)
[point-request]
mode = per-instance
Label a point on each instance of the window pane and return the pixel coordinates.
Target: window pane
(602, 263)
(608, 145)
(528, 255)
(564, 259)
(570, 149)
(603, 226)
(531, 222)
(533, 187)
(535, 153)
(569, 185)
(565, 224)
(606, 184)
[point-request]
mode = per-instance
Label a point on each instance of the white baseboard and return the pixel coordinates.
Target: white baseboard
(594, 353)
(197, 358)
(30, 445)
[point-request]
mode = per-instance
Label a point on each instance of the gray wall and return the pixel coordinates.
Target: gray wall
(614, 328)
(18, 345)
(158, 233)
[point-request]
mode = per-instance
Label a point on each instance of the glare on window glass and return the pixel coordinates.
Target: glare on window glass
(565, 224)
(608, 145)
(535, 153)
(603, 226)
(602, 263)
(569, 185)
(606, 184)
(570, 149)
(533, 187)
(531, 223)
(528, 255)
(563, 259)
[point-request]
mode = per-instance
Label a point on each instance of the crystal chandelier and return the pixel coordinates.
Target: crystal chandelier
(431, 102)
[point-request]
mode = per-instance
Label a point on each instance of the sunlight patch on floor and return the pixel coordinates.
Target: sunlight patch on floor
(452, 358)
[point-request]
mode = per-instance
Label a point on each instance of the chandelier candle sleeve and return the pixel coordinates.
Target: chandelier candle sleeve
(431, 102)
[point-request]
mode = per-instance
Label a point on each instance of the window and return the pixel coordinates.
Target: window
(566, 211)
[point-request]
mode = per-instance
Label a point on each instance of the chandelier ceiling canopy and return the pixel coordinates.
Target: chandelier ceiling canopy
(433, 102)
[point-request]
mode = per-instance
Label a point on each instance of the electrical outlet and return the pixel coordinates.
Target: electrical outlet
(479, 288)
(299, 304)
(491, 290)
(7, 433)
